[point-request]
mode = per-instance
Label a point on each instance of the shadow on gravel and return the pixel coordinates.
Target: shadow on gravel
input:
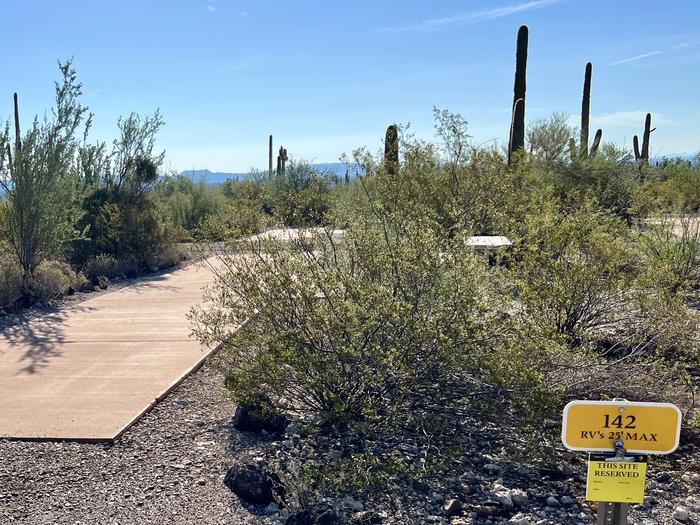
(39, 336)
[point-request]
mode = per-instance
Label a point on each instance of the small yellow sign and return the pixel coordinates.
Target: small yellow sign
(616, 481)
(643, 428)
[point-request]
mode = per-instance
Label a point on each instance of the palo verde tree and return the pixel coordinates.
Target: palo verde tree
(39, 177)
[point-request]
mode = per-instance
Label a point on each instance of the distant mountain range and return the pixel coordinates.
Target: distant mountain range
(217, 177)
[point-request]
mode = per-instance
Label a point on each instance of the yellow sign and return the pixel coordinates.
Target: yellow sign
(644, 428)
(616, 481)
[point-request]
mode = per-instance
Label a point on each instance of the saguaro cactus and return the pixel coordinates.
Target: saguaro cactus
(269, 158)
(517, 126)
(584, 153)
(643, 156)
(18, 137)
(391, 148)
(282, 161)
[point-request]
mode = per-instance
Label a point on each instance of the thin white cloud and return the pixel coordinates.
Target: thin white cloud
(212, 9)
(638, 57)
(627, 119)
(680, 46)
(481, 15)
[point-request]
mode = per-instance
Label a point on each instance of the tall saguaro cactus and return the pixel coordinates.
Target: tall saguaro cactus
(517, 126)
(282, 161)
(391, 148)
(643, 156)
(269, 158)
(584, 153)
(18, 139)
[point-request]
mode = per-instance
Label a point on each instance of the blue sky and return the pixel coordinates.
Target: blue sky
(327, 77)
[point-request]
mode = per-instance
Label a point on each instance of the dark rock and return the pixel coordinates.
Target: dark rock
(252, 483)
(452, 507)
(664, 477)
(258, 415)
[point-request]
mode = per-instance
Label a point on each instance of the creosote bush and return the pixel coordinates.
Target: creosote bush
(53, 279)
(383, 323)
(398, 321)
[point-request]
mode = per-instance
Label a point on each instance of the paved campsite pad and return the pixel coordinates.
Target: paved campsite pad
(87, 371)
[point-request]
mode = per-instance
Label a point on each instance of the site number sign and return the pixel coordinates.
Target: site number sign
(644, 428)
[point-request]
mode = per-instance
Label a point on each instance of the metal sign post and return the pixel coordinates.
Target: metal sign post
(612, 514)
(628, 430)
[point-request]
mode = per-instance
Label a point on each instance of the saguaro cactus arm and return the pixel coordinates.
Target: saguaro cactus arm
(643, 155)
(596, 142)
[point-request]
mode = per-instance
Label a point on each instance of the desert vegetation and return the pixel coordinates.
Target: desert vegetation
(386, 326)
(383, 324)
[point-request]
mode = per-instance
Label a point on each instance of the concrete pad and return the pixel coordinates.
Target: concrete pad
(87, 371)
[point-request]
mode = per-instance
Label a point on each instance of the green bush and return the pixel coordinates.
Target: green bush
(672, 258)
(386, 324)
(235, 219)
(102, 265)
(572, 271)
(128, 228)
(186, 202)
(357, 329)
(54, 279)
(301, 196)
(10, 282)
(169, 257)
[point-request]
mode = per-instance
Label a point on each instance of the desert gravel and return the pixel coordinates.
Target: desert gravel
(167, 468)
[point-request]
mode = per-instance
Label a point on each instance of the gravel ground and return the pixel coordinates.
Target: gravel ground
(168, 468)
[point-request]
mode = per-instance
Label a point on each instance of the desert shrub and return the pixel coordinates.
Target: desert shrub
(593, 304)
(187, 202)
(301, 196)
(129, 228)
(39, 181)
(548, 138)
(102, 265)
(170, 256)
(357, 329)
(233, 220)
(671, 250)
(671, 186)
(10, 282)
(387, 323)
(573, 270)
(53, 279)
